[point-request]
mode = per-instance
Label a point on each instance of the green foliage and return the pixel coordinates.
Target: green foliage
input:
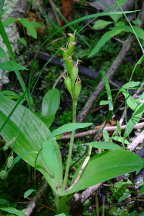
(26, 135)
(31, 26)
(50, 105)
(28, 192)
(11, 66)
(41, 151)
(2, 4)
(69, 127)
(104, 145)
(106, 166)
(29, 136)
(134, 104)
(101, 24)
(115, 31)
(2, 53)
(13, 211)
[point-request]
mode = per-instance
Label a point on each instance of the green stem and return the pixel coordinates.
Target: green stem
(69, 158)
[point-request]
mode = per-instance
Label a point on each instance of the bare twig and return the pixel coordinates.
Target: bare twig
(32, 204)
(82, 197)
(107, 128)
(136, 141)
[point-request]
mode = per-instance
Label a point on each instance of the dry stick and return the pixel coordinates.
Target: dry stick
(86, 194)
(136, 141)
(117, 62)
(107, 128)
(32, 204)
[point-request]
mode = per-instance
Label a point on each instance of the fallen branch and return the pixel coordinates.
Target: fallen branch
(107, 128)
(82, 197)
(136, 141)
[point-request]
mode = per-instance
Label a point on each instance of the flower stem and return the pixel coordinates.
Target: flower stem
(69, 158)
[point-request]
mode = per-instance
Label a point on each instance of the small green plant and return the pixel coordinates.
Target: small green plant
(37, 145)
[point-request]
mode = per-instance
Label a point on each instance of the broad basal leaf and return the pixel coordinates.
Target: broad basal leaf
(30, 133)
(106, 166)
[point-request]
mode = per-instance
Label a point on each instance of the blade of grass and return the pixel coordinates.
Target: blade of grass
(79, 20)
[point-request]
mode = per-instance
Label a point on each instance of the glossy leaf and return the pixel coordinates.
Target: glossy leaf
(30, 133)
(69, 127)
(50, 105)
(106, 166)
